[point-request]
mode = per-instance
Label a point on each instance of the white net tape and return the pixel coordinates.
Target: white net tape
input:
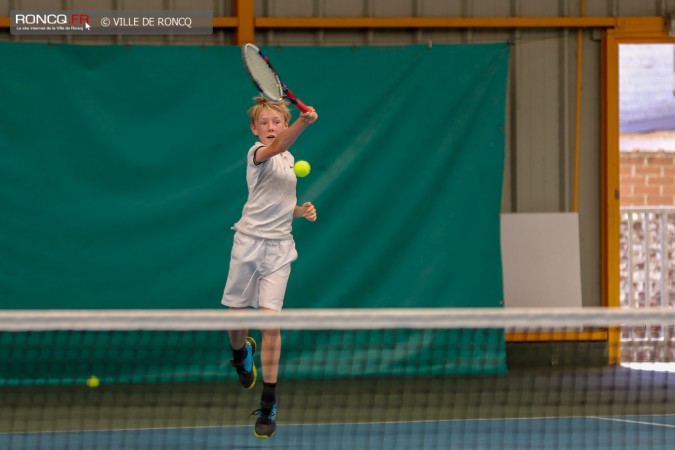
(345, 319)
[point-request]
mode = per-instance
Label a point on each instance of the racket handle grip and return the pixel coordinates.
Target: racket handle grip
(301, 106)
(296, 101)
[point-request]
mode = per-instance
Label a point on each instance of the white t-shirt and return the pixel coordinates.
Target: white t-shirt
(268, 212)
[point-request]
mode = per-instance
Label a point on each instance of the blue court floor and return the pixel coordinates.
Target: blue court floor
(573, 433)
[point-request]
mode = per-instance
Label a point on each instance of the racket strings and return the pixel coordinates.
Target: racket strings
(263, 75)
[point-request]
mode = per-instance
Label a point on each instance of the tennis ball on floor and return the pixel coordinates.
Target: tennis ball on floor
(302, 168)
(93, 382)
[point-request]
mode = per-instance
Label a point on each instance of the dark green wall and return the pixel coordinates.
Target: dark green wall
(122, 169)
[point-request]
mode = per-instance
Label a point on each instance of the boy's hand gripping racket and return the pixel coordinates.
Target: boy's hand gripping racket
(265, 77)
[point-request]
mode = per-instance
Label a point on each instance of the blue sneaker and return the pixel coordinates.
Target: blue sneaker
(246, 369)
(266, 424)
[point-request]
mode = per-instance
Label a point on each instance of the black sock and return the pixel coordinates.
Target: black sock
(239, 355)
(269, 393)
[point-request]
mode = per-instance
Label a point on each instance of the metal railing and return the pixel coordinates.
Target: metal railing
(647, 277)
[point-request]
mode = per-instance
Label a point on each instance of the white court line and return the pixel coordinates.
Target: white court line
(403, 422)
(637, 422)
(651, 367)
(320, 424)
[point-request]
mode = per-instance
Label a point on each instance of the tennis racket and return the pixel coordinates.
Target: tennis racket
(266, 78)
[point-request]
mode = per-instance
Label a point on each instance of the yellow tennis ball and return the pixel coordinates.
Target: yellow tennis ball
(93, 382)
(302, 168)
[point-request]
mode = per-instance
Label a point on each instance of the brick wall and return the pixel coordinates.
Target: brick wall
(647, 178)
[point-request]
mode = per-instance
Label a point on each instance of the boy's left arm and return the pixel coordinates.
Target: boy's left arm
(307, 210)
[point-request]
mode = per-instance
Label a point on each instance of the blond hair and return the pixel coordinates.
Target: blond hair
(261, 103)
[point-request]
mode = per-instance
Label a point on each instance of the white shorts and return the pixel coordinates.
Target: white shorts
(259, 271)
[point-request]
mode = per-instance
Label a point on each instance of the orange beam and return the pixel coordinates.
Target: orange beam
(225, 22)
(548, 336)
(245, 31)
(627, 26)
(4, 22)
(610, 220)
(435, 22)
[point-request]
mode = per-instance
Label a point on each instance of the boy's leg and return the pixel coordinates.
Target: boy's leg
(237, 337)
(270, 352)
(243, 347)
(271, 292)
(241, 292)
(266, 424)
(272, 289)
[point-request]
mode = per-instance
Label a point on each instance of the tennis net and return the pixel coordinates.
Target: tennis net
(348, 379)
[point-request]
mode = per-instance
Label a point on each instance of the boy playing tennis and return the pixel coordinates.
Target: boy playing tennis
(263, 247)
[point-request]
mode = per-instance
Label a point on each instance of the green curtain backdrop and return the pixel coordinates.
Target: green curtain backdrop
(123, 168)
